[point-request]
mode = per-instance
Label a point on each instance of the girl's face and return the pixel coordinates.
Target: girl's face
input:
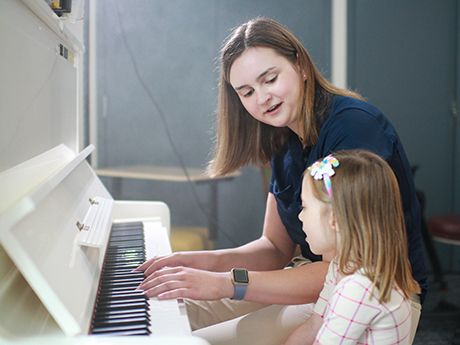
(268, 85)
(317, 221)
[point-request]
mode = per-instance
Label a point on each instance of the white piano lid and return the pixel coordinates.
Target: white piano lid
(42, 103)
(39, 234)
(31, 180)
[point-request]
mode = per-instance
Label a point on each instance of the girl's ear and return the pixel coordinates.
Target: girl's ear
(333, 222)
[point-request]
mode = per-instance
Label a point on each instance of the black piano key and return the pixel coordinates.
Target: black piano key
(125, 333)
(108, 288)
(122, 304)
(121, 265)
(122, 260)
(126, 306)
(121, 328)
(121, 315)
(111, 285)
(120, 269)
(111, 289)
(125, 240)
(115, 248)
(120, 295)
(121, 309)
(123, 257)
(123, 296)
(122, 322)
(110, 314)
(131, 237)
(125, 253)
(128, 225)
(126, 235)
(129, 275)
(117, 279)
(114, 294)
(123, 248)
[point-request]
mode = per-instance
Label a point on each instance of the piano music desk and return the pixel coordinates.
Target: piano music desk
(170, 174)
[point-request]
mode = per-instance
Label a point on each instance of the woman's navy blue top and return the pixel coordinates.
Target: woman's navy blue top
(351, 124)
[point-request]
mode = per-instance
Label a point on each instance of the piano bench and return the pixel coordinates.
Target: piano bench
(445, 228)
(189, 238)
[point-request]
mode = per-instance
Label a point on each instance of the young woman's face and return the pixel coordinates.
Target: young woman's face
(268, 85)
(317, 221)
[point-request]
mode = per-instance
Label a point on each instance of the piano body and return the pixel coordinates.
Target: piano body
(56, 216)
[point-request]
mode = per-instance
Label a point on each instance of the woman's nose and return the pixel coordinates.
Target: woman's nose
(263, 97)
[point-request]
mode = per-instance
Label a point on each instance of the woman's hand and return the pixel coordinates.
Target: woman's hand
(198, 259)
(186, 282)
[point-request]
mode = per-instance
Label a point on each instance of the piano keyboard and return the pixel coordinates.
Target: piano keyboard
(120, 308)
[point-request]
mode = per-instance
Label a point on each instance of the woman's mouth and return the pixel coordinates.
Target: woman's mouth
(272, 109)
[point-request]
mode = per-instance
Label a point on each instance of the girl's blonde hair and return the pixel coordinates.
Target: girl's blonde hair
(366, 203)
(242, 140)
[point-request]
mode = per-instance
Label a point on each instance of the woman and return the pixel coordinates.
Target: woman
(274, 106)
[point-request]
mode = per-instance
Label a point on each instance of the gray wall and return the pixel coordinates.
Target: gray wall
(175, 45)
(402, 58)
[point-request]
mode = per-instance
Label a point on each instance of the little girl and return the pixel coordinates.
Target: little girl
(351, 206)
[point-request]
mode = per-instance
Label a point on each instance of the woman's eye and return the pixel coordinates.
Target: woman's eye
(272, 80)
(247, 94)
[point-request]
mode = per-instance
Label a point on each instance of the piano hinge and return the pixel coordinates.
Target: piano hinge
(97, 223)
(82, 226)
(93, 201)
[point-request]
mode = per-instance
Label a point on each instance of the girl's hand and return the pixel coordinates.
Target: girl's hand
(186, 282)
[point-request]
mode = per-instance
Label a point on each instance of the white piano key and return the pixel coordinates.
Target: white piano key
(168, 315)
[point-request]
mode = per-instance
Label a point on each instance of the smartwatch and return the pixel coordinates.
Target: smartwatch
(240, 280)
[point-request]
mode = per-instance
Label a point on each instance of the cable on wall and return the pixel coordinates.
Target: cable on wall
(167, 130)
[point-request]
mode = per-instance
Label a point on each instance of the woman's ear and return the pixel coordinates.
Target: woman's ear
(301, 71)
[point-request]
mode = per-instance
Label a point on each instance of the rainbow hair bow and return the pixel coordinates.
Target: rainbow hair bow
(323, 170)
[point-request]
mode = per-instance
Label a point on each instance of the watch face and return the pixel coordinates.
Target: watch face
(240, 276)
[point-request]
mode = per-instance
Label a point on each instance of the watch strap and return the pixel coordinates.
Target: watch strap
(240, 280)
(240, 291)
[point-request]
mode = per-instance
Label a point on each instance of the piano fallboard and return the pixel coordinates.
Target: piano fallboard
(49, 279)
(49, 273)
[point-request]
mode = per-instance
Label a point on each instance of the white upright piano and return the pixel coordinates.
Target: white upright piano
(66, 247)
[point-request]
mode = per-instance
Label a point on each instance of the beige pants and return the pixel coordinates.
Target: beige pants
(259, 324)
(416, 311)
(229, 322)
(265, 325)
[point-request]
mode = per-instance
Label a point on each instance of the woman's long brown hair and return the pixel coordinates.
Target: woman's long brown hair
(242, 140)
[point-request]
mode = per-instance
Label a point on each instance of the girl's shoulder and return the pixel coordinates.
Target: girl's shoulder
(356, 285)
